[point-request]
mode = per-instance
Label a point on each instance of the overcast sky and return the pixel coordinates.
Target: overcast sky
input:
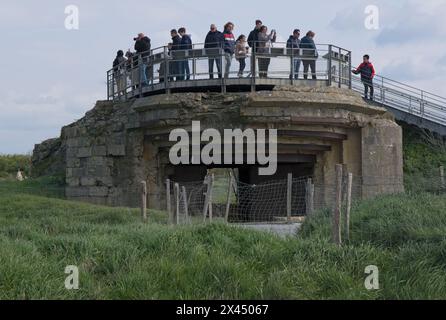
(51, 76)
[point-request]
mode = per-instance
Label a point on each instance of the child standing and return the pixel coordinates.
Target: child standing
(241, 52)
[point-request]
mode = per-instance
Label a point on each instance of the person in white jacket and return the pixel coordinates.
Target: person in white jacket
(241, 52)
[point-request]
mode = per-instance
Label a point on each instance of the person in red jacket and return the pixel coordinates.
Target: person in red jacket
(367, 72)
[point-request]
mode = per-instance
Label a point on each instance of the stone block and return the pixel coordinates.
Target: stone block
(73, 192)
(98, 191)
(84, 152)
(99, 151)
(88, 181)
(116, 150)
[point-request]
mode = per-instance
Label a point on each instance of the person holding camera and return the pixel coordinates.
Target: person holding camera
(264, 45)
(311, 54)
(241, 53)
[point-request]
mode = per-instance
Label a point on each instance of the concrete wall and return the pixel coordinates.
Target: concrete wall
(116, 146)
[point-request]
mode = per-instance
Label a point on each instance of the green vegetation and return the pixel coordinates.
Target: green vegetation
(119, 257)
(9, 165)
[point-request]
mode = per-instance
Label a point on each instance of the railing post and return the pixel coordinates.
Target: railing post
(166, 70)
(253, 68)
(223, 70)
(350, 70)
(330, 53)
(108, 85)
(340, 68)
(292, 73)
(422, 104)
(141, 70)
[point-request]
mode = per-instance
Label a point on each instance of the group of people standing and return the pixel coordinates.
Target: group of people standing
(259, 41)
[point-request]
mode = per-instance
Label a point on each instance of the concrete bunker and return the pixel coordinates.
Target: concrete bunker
(117, 145)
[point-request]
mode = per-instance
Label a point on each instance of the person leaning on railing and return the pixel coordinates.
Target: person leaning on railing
(367, 72)
(228, 46)
(214, 40)
(263, 47)
(310, 52)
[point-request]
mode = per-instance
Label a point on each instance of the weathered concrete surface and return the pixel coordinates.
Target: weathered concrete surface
(117, 145)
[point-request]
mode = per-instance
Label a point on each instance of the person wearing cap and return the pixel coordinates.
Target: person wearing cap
(293, 43)
(214, 39)
(310, 52)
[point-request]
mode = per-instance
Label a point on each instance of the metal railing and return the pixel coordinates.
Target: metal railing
(405, 98)
(163, 70)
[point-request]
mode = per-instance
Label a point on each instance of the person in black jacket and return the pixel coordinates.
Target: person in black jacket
(310, 52)
(253, 37)
(142, 48)
(214, 40)
(186, 44)
(119, 72)
(175, 66)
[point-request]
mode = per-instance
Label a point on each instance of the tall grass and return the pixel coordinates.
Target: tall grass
(121, 258)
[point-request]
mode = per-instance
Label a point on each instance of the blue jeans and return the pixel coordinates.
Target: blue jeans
(143, 75)
(296, 66)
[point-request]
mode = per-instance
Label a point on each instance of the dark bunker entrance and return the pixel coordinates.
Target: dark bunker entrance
(254, 198)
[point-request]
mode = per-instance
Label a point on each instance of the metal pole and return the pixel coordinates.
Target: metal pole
(186, 210)
(108, 85)
(350, 70)
(340, 69)
(292, 65)
(330, 53)
(166, 70)
(253, 68)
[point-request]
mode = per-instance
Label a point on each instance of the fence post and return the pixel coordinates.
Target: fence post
(253, 68)
(349, 206)
(288, 196)
(207, 181)
(211, 187)
(228, 200)
(186, 211)
(309, 197)
(177, 203)
(336, 236)
(144, 201)
(442, 179)
(169, 203)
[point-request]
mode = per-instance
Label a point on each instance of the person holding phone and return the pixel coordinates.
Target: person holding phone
(264, 45)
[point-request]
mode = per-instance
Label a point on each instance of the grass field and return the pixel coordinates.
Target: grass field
(121, 258)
